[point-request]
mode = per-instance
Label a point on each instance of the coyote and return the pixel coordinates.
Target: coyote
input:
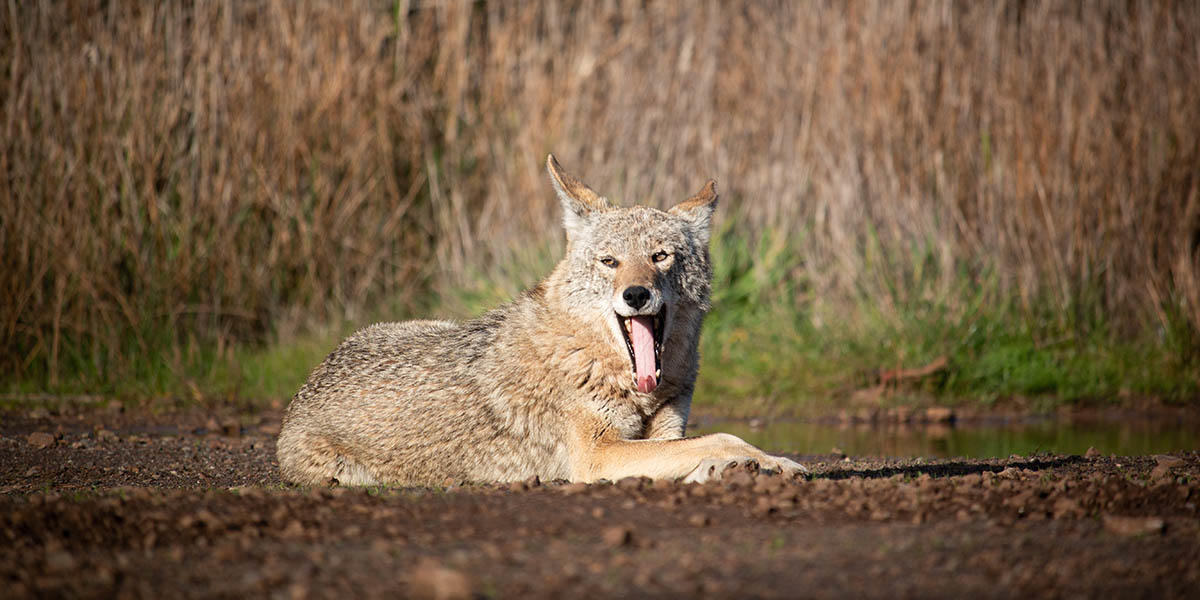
(586, 376)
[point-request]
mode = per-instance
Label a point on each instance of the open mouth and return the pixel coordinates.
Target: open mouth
(643, 338)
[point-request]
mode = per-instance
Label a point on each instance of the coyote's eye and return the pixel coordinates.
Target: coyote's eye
(659, 256)
(609, 261)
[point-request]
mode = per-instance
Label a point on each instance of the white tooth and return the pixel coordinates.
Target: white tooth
(658, 373)
(629, 325)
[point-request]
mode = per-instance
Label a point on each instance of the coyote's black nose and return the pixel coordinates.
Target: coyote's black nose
(636, 296)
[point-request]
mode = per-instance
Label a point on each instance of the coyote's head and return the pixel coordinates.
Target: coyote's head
(639, 272)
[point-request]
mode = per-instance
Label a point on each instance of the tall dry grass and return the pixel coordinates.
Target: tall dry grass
(229, 167)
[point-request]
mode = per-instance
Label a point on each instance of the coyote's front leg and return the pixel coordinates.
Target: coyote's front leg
(670, 422)
(693, 459)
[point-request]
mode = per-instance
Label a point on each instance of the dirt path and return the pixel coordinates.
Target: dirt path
(187, 505)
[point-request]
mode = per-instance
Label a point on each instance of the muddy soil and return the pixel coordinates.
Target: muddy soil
(102, 504)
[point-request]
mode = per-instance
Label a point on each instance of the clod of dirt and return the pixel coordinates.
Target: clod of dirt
(573, 488)
(40, 439)
(767, 483)
(1010, 473)
(231, 428)
(630, 483)
(1165, 463)
(432, 581)
(1066, 507)
(60, 561)
(294, 530)
(763, 507)
(1130, 526)
(617, 536)
(738, 479)
(1166, 460)
(1092, 452)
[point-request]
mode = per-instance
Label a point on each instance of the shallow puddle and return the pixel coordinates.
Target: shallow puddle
(974, 439)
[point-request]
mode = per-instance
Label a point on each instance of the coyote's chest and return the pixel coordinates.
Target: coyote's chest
(598, 380)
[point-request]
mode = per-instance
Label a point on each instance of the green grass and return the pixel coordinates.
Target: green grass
(160, 371)
(771, 341)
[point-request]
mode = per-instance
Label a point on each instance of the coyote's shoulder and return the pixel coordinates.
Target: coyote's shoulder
(587, 375)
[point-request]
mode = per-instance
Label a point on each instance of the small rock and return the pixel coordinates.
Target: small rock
(1130, 526)
(738, 479)
(629, 483)
(768, 483)
(1165, 464)
(298, 591)
(617, 536)
(432, 581)
(1168, 461)
(763, 506)
(699, 520)
(40, 439)
(231, 428)
(60, 561)
(1066, 507)
(1092, 452)
(573, 488)
(294, 530)
(1010, 473)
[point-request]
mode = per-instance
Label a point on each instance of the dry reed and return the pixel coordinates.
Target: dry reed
(219, 169)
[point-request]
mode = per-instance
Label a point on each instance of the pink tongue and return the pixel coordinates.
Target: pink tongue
(643, 353)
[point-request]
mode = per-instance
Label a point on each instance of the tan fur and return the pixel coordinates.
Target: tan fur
(541, 386)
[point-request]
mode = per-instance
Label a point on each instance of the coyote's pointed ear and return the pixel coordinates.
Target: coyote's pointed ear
(578, 200)
(699, 209)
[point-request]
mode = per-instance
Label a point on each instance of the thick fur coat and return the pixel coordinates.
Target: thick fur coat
(588, 375)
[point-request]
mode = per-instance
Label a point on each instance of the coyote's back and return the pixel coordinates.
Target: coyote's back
(587, 375)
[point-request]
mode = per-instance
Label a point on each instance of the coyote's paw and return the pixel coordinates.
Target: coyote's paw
(784, 466)
(711, 469)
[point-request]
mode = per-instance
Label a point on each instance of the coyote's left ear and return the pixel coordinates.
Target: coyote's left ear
(578, 200)
(699, 209)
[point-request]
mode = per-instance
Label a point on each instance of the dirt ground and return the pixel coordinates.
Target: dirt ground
(104, 503)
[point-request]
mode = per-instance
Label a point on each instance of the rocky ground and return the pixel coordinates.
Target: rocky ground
(104, 503)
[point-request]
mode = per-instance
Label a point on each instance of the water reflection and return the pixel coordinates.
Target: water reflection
(973, 440)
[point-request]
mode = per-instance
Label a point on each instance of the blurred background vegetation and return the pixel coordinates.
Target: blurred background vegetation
(198, 199)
